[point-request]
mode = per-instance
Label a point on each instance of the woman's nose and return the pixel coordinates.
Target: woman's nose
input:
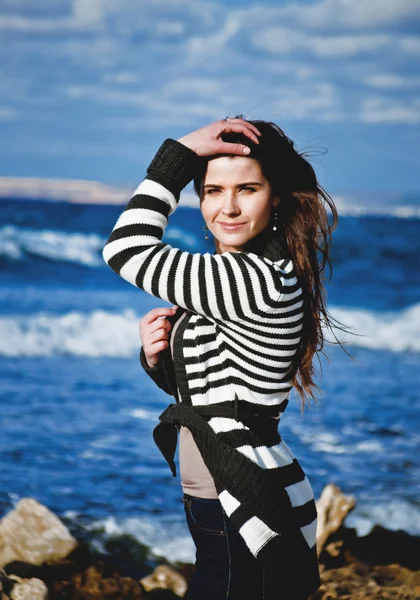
(230, 204)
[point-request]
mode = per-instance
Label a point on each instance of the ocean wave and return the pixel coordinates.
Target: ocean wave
(347, 208)
(142, 413)
(394, 515)
(17, 243)
(94, 334)
(165, 536)
(395, 331)
(102, 333)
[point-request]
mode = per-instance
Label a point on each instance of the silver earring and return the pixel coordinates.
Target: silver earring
(276, 217)
(205, 228)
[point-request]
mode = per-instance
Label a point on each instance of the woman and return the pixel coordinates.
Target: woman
(247, 327)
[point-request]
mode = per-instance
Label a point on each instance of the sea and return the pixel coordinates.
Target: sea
(77, 411)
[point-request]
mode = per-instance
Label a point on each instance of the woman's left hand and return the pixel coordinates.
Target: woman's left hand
(207, 140)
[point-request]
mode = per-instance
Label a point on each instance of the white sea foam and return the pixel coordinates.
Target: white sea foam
(94, 334)
(332, 443)
(84, 248)
(326, 441)
(142, 413)
(394, 515)
(396, 331)
(167, 536)
(354, 208)
(18, 243)
(102, 333)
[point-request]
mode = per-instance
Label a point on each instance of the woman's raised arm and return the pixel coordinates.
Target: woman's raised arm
(232, 286)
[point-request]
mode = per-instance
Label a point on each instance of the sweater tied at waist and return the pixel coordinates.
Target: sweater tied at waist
(257, 418)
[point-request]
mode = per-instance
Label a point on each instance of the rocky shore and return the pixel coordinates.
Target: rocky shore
(40, 559)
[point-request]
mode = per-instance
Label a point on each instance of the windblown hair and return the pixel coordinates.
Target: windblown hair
(304, 230)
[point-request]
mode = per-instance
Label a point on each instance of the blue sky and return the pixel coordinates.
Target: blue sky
(90, 88)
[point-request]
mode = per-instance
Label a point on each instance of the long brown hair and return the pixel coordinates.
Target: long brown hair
(304, 229)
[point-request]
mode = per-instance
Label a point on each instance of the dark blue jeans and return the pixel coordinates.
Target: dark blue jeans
(225, 569)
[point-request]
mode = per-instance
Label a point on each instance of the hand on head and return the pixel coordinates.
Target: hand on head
(207, 141)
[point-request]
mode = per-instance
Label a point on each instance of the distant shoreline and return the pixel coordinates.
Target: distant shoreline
(75, 191)
(81, 191)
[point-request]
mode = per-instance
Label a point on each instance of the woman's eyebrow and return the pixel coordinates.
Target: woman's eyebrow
(215, 185)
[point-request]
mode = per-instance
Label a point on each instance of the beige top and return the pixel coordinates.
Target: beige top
(195, 476)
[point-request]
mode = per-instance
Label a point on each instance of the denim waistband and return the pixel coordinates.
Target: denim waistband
(186, 496)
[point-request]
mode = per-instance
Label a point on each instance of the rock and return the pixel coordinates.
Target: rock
(92, 585)
(78, 560)
(361, 582)
(332, 506)
(383, 565)
(33, 534)
(164, 577)
(185, 569)
(382, 546)
(6, 585)
(29, 589)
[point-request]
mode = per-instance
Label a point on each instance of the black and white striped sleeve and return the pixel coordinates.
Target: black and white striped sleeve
(232, 286)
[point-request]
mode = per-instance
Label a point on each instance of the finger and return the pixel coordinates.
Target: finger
(146, 328)
(247, 124)
(155, 313)
(158, 335)
(228, 148)
(153, 350)
(161, 325)
(159, 346)
(152, 341)
(240, 128)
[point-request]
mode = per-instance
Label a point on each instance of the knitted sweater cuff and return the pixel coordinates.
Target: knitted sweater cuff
(144, 364)
(175, 162)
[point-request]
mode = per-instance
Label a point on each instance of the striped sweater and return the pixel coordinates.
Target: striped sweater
(242, 328)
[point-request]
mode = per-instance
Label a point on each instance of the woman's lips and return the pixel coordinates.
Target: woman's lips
(230, 227)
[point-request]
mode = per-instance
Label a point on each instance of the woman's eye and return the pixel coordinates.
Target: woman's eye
(245, 188)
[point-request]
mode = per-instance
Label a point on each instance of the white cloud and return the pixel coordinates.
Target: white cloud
(411, 44)
(200, 86)
(25, 24)
(382, 110)
(122, 77)
(102, 52)
(146, 123)
(89, 13)
(392, 81)
(160, 103)
(158, 63)
(199, 47)
(187, 102)
(288, 67)
(280, 40)
(170, 28)
(77, 16)
(71, 147)
(353, 14)
(317, 101)
(123, 17)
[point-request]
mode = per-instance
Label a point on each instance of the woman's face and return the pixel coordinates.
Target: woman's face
(235, 191)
